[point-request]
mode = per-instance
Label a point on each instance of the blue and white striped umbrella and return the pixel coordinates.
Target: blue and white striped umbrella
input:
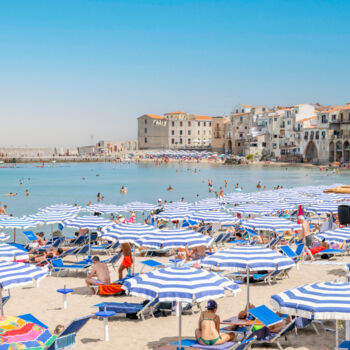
(67, 208)
(106, 208)
(182, 284)
(14, 274)
(251, 258)
(13, 222)
(127, 233)
(4, 236)
(178, 205)
(213, 216)
(10, 253)
(174, 214)
(339, 235)
(175, 239)
(324, 208)
(205, 205)
(319, 301)
(90, 222)
(252, 209)
(140, 206)
(270, 223)
(51, 217)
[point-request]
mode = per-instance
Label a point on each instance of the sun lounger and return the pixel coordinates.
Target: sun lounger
(67, 338)
(138, 309)
(242, 345)
(287, 250)
(58, 266)
(269, 318)
(150, 263)
(30, 235)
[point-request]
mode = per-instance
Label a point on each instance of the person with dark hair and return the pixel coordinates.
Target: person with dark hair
(208, 331)
(98, 275)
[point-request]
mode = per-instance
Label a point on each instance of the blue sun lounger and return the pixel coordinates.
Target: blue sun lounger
(58, 266)
(141, 310)
(67, 338)
(287, 250)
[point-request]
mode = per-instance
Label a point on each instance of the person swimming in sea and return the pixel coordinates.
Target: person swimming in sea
(170, 188)
(10, 194)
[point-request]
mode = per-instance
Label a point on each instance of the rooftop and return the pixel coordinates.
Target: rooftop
(203, 117)
(155, 116)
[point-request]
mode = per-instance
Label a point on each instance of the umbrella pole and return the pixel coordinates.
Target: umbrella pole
(336, 335)
(89, 243)
(14, 235)
(2, 305)
(179, 310)
(248, 303)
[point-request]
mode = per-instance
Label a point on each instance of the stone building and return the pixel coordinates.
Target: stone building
(176, 130)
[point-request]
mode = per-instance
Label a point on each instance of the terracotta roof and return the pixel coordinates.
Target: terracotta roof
(310, 127)
(248, 106)
(305, 119)
(337, 108)
(203, 117)
(155, 116)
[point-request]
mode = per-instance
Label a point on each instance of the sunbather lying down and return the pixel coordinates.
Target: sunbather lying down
(38, 258)
(208, 331)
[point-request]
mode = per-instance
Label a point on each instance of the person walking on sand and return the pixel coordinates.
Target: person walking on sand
(127, 260)
(98, 275)
(306, 236)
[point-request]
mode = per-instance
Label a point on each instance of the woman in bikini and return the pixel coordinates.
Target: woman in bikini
(208, 331)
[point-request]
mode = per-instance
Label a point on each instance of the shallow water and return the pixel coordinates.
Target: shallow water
(63, 183)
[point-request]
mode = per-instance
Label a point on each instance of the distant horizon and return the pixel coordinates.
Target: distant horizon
(72, 69)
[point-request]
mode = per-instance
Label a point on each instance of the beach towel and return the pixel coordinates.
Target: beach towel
(316, 250)
(110, 289)
(300, 213)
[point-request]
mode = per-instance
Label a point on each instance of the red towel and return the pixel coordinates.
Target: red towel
(110, 289)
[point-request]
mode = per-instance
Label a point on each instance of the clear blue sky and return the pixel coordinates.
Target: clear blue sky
(71, 68)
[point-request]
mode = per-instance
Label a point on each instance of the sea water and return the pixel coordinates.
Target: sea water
(80, 182)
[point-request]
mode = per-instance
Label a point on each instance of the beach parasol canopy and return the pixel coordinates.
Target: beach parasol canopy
(4, 236)
(175, 239)
(140, 206)
(213, 216)
(340, 235)
(52, 217)
(11, 253)
(270, 223)
(105, 208)
(174, 214)
(248, 259)
(180, 284)
(127, 233)
(67, 208)
(15, 223)
(17, 332)
(14, 274)
(319, 301)
(324, 208)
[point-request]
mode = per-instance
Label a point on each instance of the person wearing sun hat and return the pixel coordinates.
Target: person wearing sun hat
(208, 331)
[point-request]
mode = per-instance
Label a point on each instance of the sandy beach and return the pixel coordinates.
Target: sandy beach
(46, 304)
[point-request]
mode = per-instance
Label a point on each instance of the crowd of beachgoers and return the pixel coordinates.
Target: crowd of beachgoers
(142, 262)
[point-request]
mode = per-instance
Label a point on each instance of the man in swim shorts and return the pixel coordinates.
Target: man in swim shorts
(98, 275)
(127, 259)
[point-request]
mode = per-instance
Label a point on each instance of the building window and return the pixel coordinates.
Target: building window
(288, 122)
(275, 119)
(145, 121)
(180, 123)
(264, 143)
(189, 123)
(210, 122)
(172, 124)
(145, 139)
(323, 134)
(239, 144)
(172, 132)
(324, 119)
(172, 141)
(199, 132)
(189, 141)
(317, 135)
(205, 124)
(180, 132)
(189, 132)
(334, 117)
(180, 141)
(241, 136)
(306, 135)
(199, 123)
(275, 136)
(241, 119)
(236, 110)
(145, 130)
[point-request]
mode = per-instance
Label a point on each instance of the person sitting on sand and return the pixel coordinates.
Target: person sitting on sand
(98, 275)
(208, 331)
(127, 260)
